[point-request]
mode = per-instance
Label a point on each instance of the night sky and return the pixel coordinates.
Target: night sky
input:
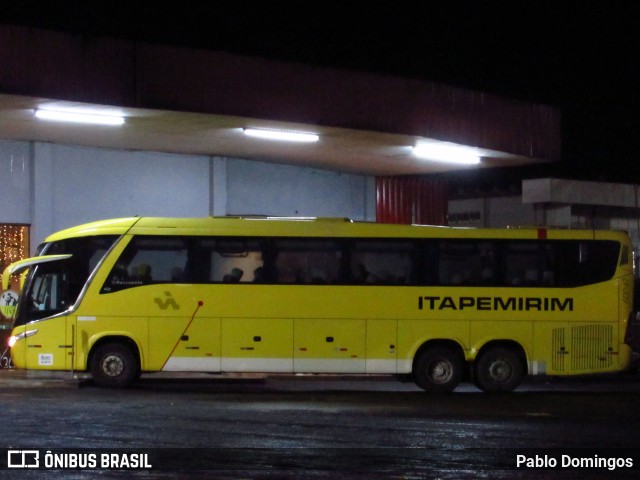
(579, 56)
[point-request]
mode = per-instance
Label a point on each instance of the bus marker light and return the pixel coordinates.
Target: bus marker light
(20, 336)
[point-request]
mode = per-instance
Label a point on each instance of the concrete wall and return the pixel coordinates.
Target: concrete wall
(51, 187)
(267, 189)
(15, 182)
(496, 212)
(585, 204)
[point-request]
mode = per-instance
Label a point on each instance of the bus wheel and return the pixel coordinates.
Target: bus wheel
(498, 370)
(113, 365)
(439, 369)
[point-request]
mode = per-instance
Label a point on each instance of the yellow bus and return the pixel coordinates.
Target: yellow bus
(441, 305)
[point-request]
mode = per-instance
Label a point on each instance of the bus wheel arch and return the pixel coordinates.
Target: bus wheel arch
(500, 366)
(114, 362)
(439, 366)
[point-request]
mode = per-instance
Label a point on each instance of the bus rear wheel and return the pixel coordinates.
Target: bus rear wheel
(113, 365)
(498, 370)
(439, 369)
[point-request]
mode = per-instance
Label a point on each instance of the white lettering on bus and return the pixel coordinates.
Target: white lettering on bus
(541, 304)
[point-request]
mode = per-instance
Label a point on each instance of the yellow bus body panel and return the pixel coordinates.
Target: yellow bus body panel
(327, 328)
(257, 344)
(48, 347)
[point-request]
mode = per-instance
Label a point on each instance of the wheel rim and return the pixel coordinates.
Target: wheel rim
(440, 371)
(112, 365)
(500, 370)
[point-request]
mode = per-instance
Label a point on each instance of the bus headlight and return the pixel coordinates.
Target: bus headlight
(15, 338)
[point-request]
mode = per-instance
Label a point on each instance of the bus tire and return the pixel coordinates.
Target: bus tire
(439, 369)
(499, 369)
(113, 365)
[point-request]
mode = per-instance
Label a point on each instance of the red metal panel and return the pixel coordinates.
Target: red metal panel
(431, 202)
(411, 200)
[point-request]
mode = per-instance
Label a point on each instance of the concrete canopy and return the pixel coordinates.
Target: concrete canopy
(193, 101)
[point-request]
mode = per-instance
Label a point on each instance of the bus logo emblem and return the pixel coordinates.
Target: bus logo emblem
(169, 301)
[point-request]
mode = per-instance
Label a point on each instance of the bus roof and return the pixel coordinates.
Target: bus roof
(313, 227)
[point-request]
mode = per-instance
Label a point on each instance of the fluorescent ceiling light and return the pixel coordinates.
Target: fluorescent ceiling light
(79, 117)
(286, 135)
(447, 152)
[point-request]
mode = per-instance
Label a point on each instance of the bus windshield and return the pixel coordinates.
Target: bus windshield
(54, 287)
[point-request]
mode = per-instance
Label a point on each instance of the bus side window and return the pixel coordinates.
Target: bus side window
(232, 260)
(148, 260)
(308, 260)
(529, 264)
(383, 262)
(467, 263)
(586, 262)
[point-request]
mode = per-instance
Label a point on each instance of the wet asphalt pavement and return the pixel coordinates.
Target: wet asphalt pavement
(201, 426)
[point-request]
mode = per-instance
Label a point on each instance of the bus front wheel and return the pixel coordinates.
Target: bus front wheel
(498, 370)
(439, 369)
(113, 365)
